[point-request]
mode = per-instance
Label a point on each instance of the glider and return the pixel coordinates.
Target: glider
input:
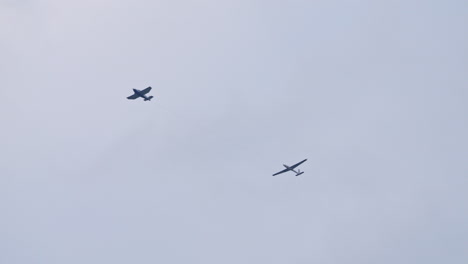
(291, 168)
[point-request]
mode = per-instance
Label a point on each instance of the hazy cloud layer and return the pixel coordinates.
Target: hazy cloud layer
(374, 94)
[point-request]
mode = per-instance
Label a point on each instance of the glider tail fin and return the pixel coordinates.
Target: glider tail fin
(299, 172)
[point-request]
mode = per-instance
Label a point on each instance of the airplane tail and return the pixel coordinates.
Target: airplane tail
(149, 98)
(299, 172)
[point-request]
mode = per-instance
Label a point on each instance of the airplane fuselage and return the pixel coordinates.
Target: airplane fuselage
(140, 93)
(292, 169)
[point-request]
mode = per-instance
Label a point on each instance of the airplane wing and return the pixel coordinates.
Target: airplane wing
(283, 171)
(147, 90)
(297, 164)
(133, 97)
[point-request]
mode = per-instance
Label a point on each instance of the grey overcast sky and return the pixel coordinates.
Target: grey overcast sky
(373, 93)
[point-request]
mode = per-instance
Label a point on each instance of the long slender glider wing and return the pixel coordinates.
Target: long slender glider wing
(297, 164)
(133, 97)
(283, 171)
(147, 90)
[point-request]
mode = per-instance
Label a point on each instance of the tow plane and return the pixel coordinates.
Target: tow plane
(142, 94)
(291, 168)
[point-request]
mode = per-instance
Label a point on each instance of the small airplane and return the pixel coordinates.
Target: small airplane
(142, 94)
(291, 168)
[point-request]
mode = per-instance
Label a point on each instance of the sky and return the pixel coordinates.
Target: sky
(373, 93)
